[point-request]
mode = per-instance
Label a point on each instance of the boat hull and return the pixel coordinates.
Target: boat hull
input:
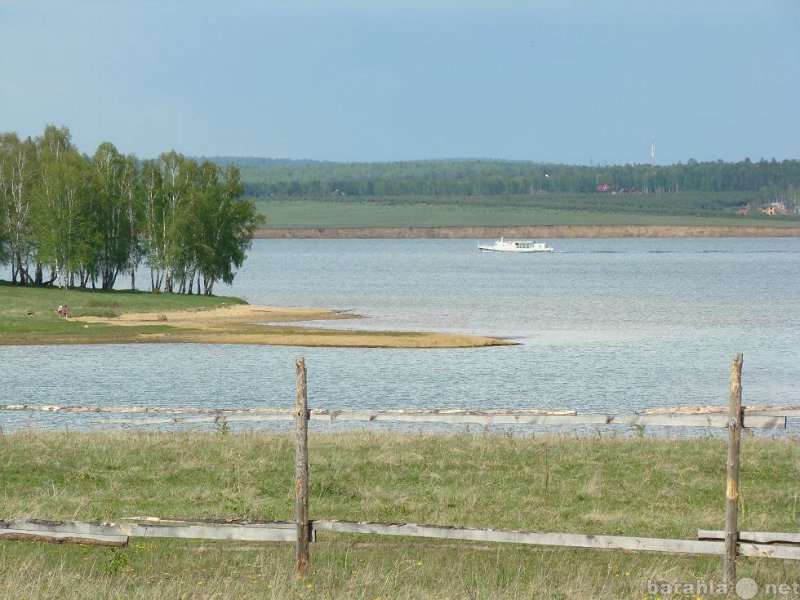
(519, 246)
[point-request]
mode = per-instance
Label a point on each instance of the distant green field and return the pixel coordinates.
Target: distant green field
(322, 213)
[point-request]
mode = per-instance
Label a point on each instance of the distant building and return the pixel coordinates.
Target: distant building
(775, 209)
(603, 187)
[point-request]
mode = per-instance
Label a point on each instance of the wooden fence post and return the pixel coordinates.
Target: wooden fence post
(301, 470)
(732, 488)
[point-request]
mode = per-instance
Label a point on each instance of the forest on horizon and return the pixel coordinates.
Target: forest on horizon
(764, 181)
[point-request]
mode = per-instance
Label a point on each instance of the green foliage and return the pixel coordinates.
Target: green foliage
(89, 219)
(604, 193)
(433, 178)
(117, 560)
(62, 221)
(117, 209)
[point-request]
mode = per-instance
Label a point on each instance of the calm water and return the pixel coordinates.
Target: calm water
(603, 325)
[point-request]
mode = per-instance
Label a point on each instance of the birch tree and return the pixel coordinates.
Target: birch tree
(222, 226)
(18, 173)
(114, 207)
(64, 235)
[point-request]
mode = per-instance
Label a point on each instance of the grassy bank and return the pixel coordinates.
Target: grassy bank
(28, 315)
(604, 485)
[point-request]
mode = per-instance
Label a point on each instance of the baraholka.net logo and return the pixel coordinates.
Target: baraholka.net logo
(746, 589)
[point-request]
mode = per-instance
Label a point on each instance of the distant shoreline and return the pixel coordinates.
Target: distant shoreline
(525, 231)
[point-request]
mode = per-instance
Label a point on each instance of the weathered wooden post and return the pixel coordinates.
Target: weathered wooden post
(301, 470)
(732, 488)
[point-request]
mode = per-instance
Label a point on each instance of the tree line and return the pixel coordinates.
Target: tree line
(74, 220)
(768, 180)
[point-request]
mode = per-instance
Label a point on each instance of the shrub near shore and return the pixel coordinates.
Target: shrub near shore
(599, 484)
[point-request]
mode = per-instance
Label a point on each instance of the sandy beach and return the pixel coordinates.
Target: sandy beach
(269, 325)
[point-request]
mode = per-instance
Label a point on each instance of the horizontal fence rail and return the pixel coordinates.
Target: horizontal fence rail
(788, 411)
(572, 540)
(756, 537)
(442, 416)
(756, 544)
(717, 421)
(117, 533)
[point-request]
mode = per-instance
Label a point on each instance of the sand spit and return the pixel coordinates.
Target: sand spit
(277, 326)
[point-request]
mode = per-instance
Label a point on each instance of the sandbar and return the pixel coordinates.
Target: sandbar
(277, 326)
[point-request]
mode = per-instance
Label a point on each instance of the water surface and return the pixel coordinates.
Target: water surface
(603, 325)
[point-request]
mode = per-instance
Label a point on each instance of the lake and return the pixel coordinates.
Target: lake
(602, 325)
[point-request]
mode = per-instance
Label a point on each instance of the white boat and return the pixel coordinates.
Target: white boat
(503, 245)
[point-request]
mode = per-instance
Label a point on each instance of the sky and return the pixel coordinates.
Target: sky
(582, 82)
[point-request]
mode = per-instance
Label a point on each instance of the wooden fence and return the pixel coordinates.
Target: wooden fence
(757, 419)
(728, 543)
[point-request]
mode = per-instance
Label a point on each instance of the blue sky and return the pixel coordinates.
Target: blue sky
(565, 81)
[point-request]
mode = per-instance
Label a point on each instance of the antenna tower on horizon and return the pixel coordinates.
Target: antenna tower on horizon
(653, 153)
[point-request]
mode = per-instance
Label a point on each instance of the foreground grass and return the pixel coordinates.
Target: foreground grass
(623, 486)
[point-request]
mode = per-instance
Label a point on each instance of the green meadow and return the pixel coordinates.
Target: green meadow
(493, 211)
(29, 315)
(615, 483)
